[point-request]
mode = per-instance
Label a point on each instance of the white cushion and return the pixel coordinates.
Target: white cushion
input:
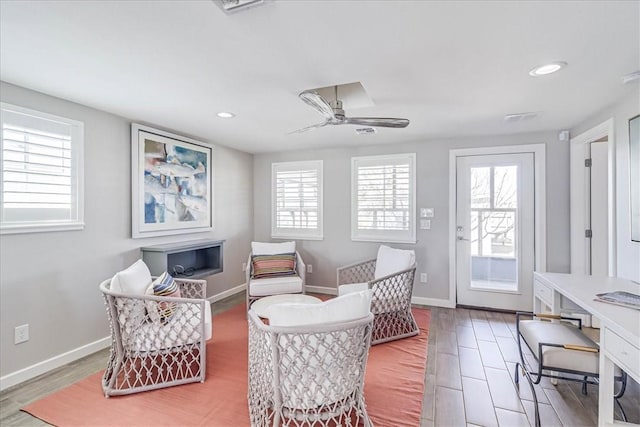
(536, 331)
(341, 309)
(134, 280)
(391, 260)
(178, 331)
(260, 248)
(275, 286)
(352, 287)
(382, 302)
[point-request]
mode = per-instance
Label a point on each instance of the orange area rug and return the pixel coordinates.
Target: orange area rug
(394, 387)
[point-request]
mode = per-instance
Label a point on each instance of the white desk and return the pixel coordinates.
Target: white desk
(619, 326)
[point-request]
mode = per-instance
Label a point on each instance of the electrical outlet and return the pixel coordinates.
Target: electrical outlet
(309, 268)
(244, 266)
(21, 334)
(423, 277)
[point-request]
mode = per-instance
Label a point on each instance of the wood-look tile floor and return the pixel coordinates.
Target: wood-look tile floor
(471, 362)
(468, 380)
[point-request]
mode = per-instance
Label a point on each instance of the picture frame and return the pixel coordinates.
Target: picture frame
(171, 183)
(634, 176)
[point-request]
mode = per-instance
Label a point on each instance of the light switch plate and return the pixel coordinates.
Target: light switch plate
(425, 224)
(429, 212)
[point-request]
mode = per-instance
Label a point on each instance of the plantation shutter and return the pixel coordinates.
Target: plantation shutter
(383, 198)
(39, 169)
(297, 191)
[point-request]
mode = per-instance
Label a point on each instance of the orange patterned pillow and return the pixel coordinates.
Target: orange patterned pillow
(273, 265)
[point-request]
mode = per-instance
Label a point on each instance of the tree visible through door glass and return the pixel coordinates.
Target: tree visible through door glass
(494, 203)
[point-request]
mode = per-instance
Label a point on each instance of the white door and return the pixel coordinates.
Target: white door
(596, 215)
(592, 202)
(495, 231)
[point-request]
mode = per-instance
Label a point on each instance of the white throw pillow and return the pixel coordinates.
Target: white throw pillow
(260, 248)
(134, 280)
(391, 260)
(341, 309)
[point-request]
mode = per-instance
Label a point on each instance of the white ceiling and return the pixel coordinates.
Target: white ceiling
(454, 68)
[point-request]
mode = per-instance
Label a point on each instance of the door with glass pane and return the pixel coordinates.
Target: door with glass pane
(495, 231)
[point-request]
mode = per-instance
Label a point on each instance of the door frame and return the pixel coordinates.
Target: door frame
(540, 206)
(578, 201)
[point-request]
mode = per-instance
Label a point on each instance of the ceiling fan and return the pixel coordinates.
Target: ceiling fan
(334, 114)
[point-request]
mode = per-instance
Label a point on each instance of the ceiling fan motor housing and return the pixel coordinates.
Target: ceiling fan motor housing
(336, 105)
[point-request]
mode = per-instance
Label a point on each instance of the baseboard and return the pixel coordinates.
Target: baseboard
(322, 290)
(224, 294)
(435, 302)
(45, 366)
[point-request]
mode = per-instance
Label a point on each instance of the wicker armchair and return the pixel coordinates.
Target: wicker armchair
(309, 374)
(277, 284)
(148, 352)
(391, 302)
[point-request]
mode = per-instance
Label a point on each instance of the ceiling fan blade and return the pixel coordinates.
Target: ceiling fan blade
(312, 127)
(377, 122)
(318, 103)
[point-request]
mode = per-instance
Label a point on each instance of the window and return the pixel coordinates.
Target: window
(41, 165)
(297, 200)
(494, 208)
(383, 198)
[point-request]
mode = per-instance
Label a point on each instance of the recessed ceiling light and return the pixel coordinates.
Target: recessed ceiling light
(225, 115)
(543, 70)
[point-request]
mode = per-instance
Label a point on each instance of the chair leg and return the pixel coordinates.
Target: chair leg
(584, 385)
(525, 373)
(618, 395)
(623, 385)
(623, 415)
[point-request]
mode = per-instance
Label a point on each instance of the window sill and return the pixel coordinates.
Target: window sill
(296, 237)
(383, 240)
(40, 228)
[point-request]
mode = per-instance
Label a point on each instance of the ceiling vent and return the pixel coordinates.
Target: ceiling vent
(520, 117)
(353, 95)
(231, 6)
(365, 131)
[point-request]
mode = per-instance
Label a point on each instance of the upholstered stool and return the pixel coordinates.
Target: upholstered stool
(561, 347)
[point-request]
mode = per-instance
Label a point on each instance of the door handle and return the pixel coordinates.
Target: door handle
(462, 238)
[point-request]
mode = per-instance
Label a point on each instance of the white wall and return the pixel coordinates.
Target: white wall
(432, 249)
(628, 252)
(50, 280)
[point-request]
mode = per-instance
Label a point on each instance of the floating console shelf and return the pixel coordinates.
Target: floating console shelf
(196, 259)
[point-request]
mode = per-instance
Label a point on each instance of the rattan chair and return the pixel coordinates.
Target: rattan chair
(277, 285)
(308, 375)
(561, 351)
(391, 302)
(148, 352)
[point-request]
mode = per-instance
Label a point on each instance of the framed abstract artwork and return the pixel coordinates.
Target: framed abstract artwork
(634, 175)
(171, 183)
